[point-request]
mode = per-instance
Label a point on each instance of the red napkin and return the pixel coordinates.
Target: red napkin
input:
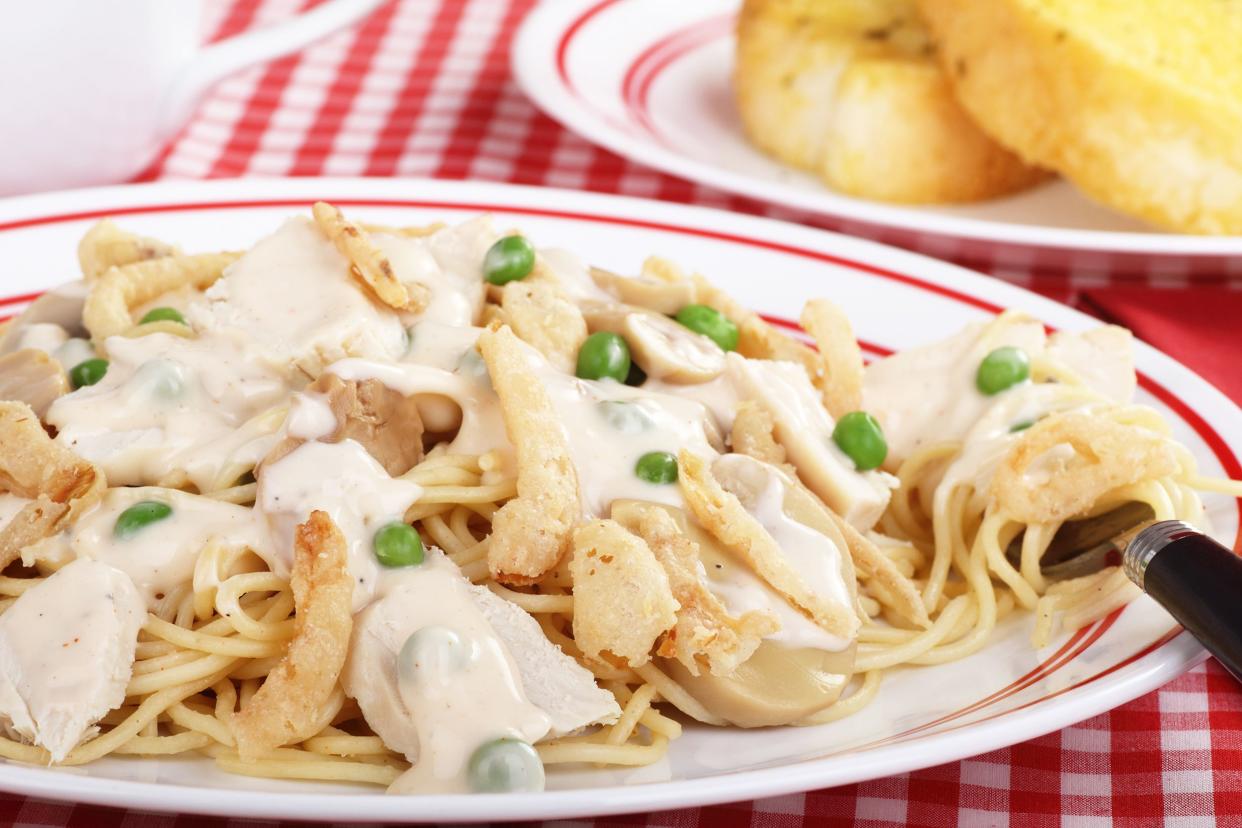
(1200, 326)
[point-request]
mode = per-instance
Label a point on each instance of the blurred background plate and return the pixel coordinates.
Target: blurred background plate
(651, 80)
(1004, 694)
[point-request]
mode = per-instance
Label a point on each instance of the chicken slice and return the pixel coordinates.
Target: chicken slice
(67, 653)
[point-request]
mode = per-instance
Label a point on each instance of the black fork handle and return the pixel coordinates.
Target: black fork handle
(1199, 582)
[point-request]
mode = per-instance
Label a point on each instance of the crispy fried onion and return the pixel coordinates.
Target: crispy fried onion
(59, 484)
(756, 338)
(1066, 462)
(869, 560)
(622, 598)
(417, 231)
(287, 707)
(882, 574)
(705, 635)
(105, 245)
(113, 295)
(542, 315)
(722, 514)
(531, 532)
(840, 357)
(367, 262)
(752, 432)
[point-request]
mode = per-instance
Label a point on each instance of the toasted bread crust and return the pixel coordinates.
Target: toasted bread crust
(1063, 88)
(852, 91)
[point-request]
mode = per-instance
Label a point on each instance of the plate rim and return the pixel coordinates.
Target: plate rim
(536, 63)
(1135, 676)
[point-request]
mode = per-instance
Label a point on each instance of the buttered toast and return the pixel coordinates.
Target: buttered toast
(1138, 103)
(851, 90)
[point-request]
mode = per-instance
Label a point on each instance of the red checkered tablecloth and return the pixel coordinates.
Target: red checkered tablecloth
(422, 88)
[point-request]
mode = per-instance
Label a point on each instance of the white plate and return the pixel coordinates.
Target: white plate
(1004, 694)
(650, 80)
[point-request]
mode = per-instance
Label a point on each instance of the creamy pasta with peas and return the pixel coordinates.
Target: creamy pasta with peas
(436, 509)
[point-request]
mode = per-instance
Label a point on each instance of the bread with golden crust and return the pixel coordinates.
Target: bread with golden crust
(850, 90)
(1137, 103)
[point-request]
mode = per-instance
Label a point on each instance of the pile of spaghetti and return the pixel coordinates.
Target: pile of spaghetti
(283, 508)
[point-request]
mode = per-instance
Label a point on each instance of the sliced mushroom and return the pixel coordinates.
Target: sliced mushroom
(664, 349)
(775, 686)
(381, 420)
(664, 297)
(33, 377)
(59, 306)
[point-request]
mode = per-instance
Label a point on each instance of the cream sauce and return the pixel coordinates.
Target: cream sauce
(573, 275)
(609, 426)
(437, 345)
(171, 406)
(743, 591)
(478, 420)
(813, 556)
(345, 481)
(67, 653)
(310, 417)
(719, 396)
(804, 428)
(293, 297)
(440, 707)
(161, 556)
(927, 395)
(449, 263)
(73, 352)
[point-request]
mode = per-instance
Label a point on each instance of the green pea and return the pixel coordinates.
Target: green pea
(88, 373)
(657, 467)
(434, 652)
(509, 259)
(397, 544)
(161, 378)
(162, 315)
(139, 516)
(505, 766)
(626, 417)
(604, 356)
(1021, 426)
(471, 365)
(1003, 368)
(711, 323)
(860, 437)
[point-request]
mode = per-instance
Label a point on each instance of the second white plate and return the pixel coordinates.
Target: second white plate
(650, 80)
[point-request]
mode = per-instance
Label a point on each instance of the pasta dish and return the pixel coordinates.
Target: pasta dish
(433, 509)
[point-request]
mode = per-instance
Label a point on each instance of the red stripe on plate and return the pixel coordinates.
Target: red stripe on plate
(638, 79)
(17, 300)
(562, 46)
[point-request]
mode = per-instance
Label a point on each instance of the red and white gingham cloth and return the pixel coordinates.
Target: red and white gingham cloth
(422, 88)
